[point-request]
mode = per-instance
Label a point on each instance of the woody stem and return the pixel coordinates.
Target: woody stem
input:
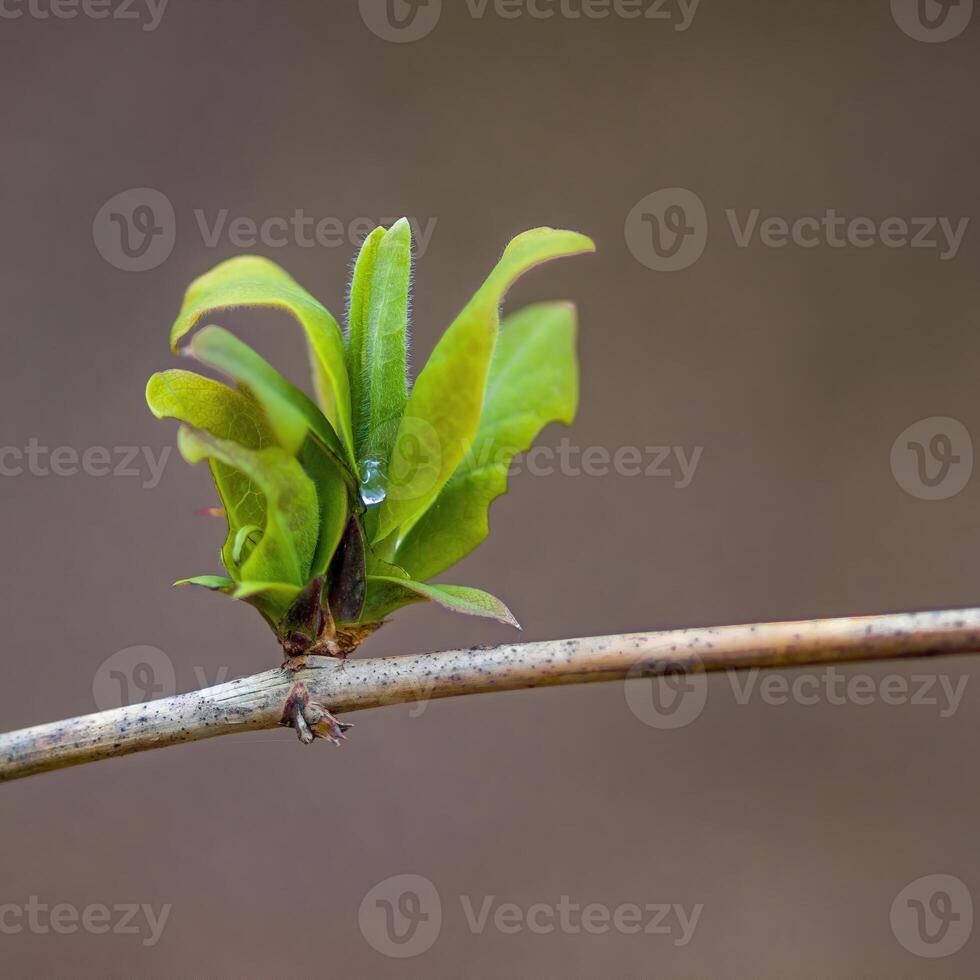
(260, 701)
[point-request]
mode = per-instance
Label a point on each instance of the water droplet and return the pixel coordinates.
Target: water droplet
(373, 482)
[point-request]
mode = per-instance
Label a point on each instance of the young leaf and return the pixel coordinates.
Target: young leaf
(216, 583)
(533, 381)
(281, 593)
(289, 532)
(357, 313)
(387, 594)
(291, 414)
(229, 415)
(209, 405)
(206, 404)
(443, 411)
(379, 390)
(272, 599)
(244, 536)
(348, 575)
(333, 501)
(251, 281)
(303, 621)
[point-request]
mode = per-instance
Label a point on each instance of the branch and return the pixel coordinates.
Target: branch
(300, 699)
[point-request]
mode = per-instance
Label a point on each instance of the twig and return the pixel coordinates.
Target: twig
(300, 699)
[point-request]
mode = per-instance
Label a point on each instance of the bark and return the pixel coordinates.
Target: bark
(306, 699)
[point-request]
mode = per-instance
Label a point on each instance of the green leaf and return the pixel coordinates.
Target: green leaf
(268, 597)
(290, 526)
(252, 281)
(216, 583)
(533, 381)
(283, 593)
(357, 314)
(443, 412)
(272, 599)
(242, 537)
(209, 405)
(300, 426)
(379, 338)
(229, 415)
(290, 412)
(333, 502)
(387, 594)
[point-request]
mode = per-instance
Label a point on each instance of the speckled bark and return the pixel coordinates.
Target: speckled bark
(305, 699)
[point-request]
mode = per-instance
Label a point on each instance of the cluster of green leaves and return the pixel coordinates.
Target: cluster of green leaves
(340, 512)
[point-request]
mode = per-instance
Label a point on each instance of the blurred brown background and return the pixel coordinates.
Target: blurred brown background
(793, 369)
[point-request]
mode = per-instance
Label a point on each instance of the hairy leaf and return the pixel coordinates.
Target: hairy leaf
(443, 412)
(357, 315)
(252, 281)
(533, 381)
(381, 390)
